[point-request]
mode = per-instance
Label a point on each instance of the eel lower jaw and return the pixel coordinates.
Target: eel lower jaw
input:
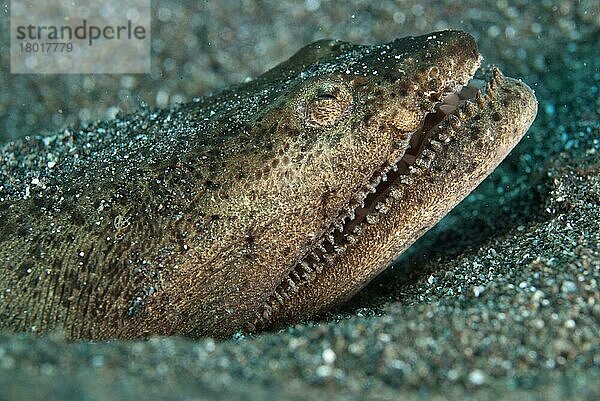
(369, 203)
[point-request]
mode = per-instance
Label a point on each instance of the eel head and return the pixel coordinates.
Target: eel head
(348, 154)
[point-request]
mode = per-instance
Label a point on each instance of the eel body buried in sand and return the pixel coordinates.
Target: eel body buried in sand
(257, 206)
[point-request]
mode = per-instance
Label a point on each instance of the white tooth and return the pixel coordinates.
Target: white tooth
(371, 188)
(338, 226)
(321, 247)
(381, 207)
(357, 230)
(339, 249)
(278, 297)
(315, 256)
(384, 177)
(413, 169)
(395, 193)
(351, 239)
(376, 181)
(429, 154)
(351, 214)
(292, 285)
(405, 180)
(422, 162)
(371, 219)
(330, 238)
(435, 145)
(306, 266)
(447, 108)
(395, 167)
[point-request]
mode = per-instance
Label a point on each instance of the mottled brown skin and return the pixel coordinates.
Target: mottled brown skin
(187, 221)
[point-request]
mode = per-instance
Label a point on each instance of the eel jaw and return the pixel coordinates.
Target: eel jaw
(460, 143)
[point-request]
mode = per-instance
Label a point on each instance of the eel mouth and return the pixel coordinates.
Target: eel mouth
(368, 204)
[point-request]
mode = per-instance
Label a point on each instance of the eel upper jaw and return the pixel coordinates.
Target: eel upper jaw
(304, 290)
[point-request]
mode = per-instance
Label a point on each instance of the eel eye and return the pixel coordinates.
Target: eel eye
(327, 105)
(327, 95)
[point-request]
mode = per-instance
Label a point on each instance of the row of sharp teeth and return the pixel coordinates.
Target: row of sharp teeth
(459, 106)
